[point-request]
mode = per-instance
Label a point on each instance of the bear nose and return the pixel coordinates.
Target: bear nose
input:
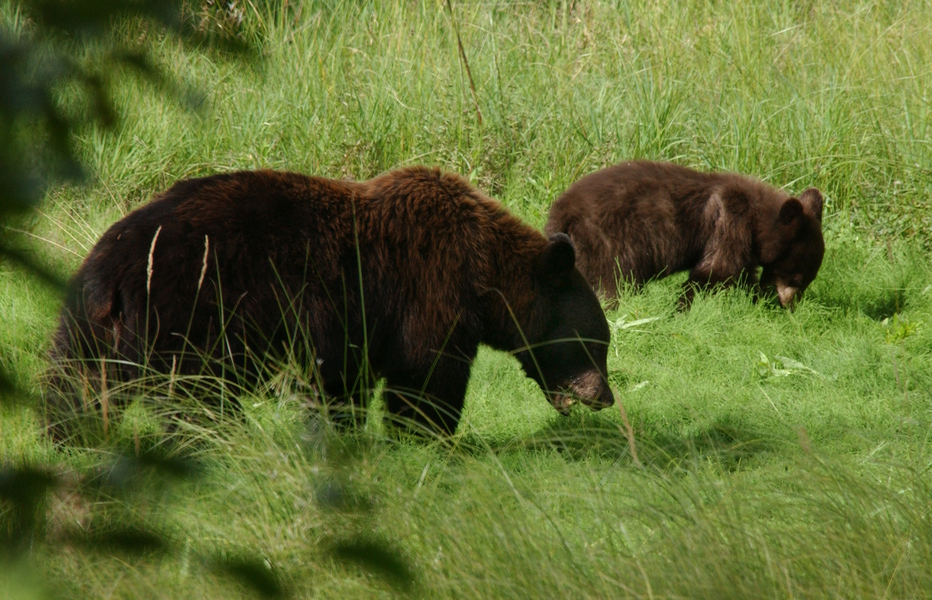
(593, 391)
(606, 398)
(786, 294)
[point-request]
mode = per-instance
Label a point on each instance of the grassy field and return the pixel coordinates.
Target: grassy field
(774, 454)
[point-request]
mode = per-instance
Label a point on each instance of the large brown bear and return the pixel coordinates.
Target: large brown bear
(400, 277)
(641, 220)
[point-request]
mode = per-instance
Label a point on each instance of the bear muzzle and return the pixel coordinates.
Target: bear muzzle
(786, 294)
(590, 388)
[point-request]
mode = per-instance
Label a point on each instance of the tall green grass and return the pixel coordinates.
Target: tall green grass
(774, 454)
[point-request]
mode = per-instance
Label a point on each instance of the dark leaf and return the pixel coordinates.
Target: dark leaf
(251, 573)
(20, 190)
(8, 391)
(134, 540)
(378, 557)
(128, 470)
(230, 45)
(94, 17)
(34, 267)
(99, 89)
(25, 487)
(188, 96)
(164, 463)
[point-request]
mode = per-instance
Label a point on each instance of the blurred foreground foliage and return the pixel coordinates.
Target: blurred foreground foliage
(79, 47)
(59, 45)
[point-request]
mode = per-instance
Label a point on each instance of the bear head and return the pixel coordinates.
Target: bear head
(792, 256)
(567, 345)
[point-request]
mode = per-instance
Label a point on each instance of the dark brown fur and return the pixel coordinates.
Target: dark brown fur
(642, 220)
(416, 267)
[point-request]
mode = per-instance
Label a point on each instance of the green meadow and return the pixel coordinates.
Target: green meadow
(753, 452)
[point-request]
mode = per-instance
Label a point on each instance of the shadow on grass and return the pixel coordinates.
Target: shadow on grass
(877, 303)
(726, 441)
(876, 281)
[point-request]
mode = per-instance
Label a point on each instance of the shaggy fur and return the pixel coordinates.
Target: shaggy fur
(642, 220)
(400, 277)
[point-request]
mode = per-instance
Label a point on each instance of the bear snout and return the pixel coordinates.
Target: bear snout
(591, 389)
(786, 294)
(605, 399)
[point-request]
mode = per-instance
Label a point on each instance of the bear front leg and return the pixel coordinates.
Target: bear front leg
(430, 401)
(347, 413)
(346, 396)
(703, 278)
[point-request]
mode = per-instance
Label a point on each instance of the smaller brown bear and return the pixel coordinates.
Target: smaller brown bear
(641, 220)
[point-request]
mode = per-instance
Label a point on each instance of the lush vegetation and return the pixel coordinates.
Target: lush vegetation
(761, 453)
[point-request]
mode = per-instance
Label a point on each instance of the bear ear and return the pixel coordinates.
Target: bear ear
(560, 256)
(790, 212)
(811, 200)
